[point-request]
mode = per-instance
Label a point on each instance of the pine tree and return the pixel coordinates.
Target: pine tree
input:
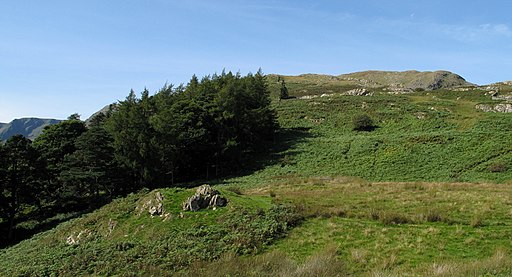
(54, 144)
(19, 182)
(284, 91)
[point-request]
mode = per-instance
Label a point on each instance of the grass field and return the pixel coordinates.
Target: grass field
(426, 193)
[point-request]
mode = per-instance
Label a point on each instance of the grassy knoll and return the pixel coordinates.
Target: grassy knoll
(119, 239)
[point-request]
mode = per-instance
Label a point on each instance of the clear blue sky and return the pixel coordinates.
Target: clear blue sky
(62, 57)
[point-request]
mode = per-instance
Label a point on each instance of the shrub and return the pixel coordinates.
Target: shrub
(363, 122)
(498, 167)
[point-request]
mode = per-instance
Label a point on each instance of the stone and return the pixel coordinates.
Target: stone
(194, 203)
(206, 190)
(111, 226)
(498, 108)
(217, 201)
(205, 197)
(358, 92)
(75, 239)
(153, 205)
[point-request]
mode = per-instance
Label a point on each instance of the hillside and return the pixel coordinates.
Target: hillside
(410, 79)
(425, 192)
(28, 127)
(393, 82)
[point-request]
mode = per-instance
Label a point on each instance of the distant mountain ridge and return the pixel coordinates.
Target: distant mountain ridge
(28, 127)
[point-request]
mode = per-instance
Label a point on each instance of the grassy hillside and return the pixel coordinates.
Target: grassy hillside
(426, 193)
(124, 233)
(377, 81)
(419, 137)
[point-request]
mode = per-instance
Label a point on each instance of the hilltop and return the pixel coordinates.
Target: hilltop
(378, 81)
(28, 127)
(409, 79)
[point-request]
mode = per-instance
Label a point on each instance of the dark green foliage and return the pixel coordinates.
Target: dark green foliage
(133, 138)
(54, 144)
(283, 92)
(91, 169)
(20, 180)
(57, 141)
(363, 122)
(203, 129)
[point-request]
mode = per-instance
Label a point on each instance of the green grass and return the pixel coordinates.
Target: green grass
(424, 194)
(436, 221)
(414, 141)
(142, 243)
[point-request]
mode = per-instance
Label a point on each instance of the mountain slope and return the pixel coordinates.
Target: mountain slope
(28, 127)
(412, 79)
(376, 81)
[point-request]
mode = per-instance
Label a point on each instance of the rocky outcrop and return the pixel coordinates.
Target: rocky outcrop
(358, 92)
(205, 197)
(76, 238)
(498, 108)
(153, 205)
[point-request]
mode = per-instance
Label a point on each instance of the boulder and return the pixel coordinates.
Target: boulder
(359, 92)
(152, 204)
(498, 108)
(205, 197)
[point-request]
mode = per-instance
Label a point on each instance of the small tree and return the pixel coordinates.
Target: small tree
(284, 91)
(363, 122)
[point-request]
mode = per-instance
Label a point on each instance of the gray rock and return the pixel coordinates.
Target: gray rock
(217, 201)
(205, 197)
(358, 92)
(153, 205)
(194, 203)
(498, 108)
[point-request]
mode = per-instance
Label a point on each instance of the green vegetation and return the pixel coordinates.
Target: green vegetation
(121, 233)
(426, 193)
(207, 129)
(395, 225)
(363, 122)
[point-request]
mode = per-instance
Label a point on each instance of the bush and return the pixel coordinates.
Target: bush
(363, 122)
(498, 167)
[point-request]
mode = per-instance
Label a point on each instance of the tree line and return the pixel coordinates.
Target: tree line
(205, 129)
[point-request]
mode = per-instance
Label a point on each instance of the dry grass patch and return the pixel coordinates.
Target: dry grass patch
(275, 263)
(394, 203)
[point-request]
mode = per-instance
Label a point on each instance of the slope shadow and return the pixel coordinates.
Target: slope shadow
(41, 222)
(280, 151)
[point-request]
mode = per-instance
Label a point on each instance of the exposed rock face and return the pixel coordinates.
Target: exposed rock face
(75, 239)
(358, 92)
(205, 197)
(498, 108)
(153, 205)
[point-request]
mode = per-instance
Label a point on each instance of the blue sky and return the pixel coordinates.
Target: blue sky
(62, 57)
